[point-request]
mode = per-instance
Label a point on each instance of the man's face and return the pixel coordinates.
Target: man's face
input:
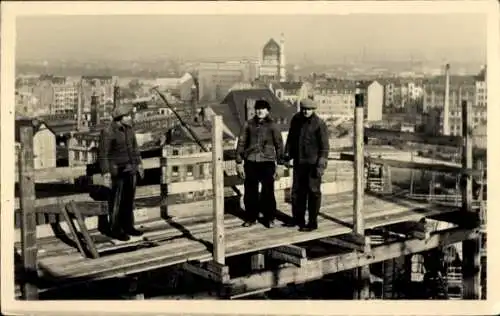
(127, 119)
(262, 112)
(306, 111)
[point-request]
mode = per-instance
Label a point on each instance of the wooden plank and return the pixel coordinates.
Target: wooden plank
(438, 167)
(392, 136)
(58, 174)
(72, 229)
(28, 217)
(278, 255)
(218, 190)
(292, 250)
(83, 229)
(316, 269)
(357, 243)
(203, 272)
(148, 191)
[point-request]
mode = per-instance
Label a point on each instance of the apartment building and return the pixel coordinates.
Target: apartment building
(335, 98)
(291, 91)
(400, 92)
(65, 99)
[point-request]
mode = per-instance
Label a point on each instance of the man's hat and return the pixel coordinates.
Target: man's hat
(121, 110)
(308, 104)
(262, 104)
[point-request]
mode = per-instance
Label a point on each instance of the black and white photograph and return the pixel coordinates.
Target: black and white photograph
(237, 154)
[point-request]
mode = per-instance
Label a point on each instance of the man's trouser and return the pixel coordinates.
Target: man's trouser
(121, 206)
(255, 173)
(306, 193)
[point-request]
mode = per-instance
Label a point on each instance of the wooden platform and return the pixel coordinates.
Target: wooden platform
(188, 236)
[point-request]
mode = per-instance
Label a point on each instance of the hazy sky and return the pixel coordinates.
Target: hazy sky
(321, 38)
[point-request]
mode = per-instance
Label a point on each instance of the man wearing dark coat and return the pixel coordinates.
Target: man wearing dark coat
(260, 147)
(308, 147)
(120, 163)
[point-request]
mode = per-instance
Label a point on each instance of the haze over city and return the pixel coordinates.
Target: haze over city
(322, 39)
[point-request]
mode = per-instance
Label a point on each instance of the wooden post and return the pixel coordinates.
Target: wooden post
(27, 202)
(257, 261)
(164, 182)
(359, 225)
(218, 190)
(362, 274)
(471, 267)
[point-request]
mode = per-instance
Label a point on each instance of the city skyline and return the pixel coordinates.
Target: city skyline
(457, 37)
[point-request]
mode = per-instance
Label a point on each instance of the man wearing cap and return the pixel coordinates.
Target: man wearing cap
(120, 162)
(260, 147)
(307, 145)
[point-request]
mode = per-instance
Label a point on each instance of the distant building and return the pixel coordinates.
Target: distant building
(273, 65)
(65, 99)
(180, 87)
(374, 101)
(83, 148)
(182, 144)
(44, 145)
(479, 136)
(335, 98)
(291, 91)
(400, 92)
(472, 89)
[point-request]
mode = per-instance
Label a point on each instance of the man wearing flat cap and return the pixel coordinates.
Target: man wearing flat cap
(258, 152)
(307, 145)
(120, 162)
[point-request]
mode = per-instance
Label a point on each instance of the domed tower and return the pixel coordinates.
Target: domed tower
(270, 64)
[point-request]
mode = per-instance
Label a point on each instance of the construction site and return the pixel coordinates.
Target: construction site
(389, 228)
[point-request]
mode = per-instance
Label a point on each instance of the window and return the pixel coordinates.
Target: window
(175, 171)
(175, 152)
(77, 155)
(189, 170)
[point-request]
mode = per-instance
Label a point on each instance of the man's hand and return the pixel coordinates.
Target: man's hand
(320, 172)
(107, 179)
(240, 171)
(140, 170)
(278, 172)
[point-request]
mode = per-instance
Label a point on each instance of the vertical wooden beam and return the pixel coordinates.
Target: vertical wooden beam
(471, 267)
(164, 182)
(362, 274)
(27, 202)
(359, 225)
(218, 190)
(257, 261)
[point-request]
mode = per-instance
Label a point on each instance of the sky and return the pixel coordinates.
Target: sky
(320, 38)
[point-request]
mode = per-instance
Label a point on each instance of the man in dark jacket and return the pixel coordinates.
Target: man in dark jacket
(260, 146)
(307, 145)
(120, 162)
